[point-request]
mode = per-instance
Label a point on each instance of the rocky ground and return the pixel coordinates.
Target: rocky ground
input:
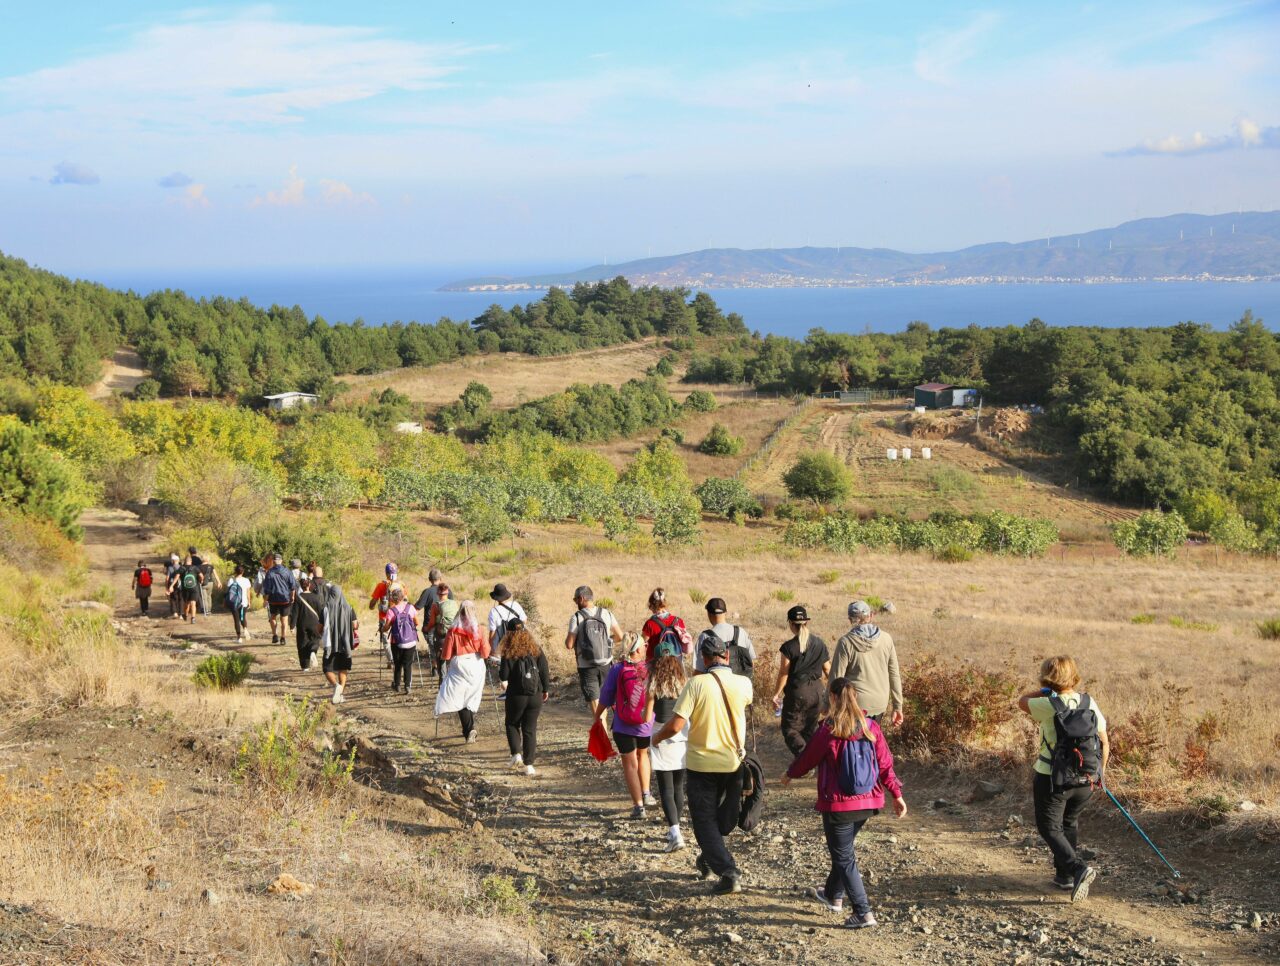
(963, 878)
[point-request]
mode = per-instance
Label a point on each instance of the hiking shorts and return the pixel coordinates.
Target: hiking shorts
(190, 594)
(279, 610)
(337, 662)
(629, 743)
(591, 680)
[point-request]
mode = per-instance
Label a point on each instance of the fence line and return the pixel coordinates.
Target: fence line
(801, 407)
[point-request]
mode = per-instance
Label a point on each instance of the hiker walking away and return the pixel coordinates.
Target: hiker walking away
(742, 653)
(713, 705)
(668, 759)
(466, 648)
(171, 589)
(278, 589)
(591, 631)
(237, 597)
(663, 626)
(341, 633)
(505, 609)
(185, 583)
(802, 677)
(209, 579)
(402, 622)
(626, 691)
(141, 586)
(306, 617)
(867, 659)
(855, 769)
(441, 617)
(1071, 759)
(380, 600)
(426, 601)
(526, 679)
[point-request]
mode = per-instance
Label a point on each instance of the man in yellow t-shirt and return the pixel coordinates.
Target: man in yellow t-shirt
(714, 756)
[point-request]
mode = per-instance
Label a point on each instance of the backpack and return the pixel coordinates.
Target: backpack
(633, 681)
(446, 613)
(403, 630)
(189, 581)
(739, 657)
(592, 641)
(499, 632)
(144, 577)
(750, 771)
(235, 594)
(673, 633)
(1076, 759)
(857, 769)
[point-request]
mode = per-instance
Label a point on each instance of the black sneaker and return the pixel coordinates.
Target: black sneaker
(728, 885)
(1063, 881)
(704, 870)
(275, 639)
(1080, 887)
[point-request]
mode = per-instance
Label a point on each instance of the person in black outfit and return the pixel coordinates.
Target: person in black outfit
(802, 681)
(307, 618)
(526, 679)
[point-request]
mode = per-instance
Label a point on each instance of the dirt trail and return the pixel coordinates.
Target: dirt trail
(954, 882)
(122, 374)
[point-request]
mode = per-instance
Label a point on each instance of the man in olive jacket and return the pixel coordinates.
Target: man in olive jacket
(866, 657)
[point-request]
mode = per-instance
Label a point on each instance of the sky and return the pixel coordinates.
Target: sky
(138, 135)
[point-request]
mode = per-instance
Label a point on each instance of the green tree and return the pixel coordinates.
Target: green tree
(700, 401)
(819, 477)
(677, 520)
(720, 442)
(213, 492)
(37, 481)
(659, 471)
(1151, 534)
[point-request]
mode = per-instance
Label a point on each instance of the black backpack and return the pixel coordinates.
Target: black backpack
(1076, 759)
(592, 638)
(739, 657)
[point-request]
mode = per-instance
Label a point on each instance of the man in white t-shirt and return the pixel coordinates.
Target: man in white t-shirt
(505, 608)
(740, 661)
(591, 629)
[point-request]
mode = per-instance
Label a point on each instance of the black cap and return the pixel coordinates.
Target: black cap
(500, 593)
(514, 625)
(797, 614)
(716, 606)
(712, 646)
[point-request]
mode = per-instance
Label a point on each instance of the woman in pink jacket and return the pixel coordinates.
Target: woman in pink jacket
(852, 783)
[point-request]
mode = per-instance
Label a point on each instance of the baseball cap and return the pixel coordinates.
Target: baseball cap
(712, 646)
(798, 614)
(716, 606)
(859, 608)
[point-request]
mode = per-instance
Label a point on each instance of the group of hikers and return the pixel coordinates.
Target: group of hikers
(679, 706)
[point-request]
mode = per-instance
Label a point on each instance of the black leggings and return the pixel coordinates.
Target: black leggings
(468, 719)
(671, 791)
(403, 657)
(801, 709)
(522, 724)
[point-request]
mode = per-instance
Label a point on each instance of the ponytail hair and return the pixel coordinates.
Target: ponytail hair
(846, 717)
(658, 599)
(802, 635)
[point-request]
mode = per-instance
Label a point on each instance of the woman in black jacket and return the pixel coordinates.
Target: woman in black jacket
(526, 681)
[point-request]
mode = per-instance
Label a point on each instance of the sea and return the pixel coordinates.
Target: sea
(379, 298)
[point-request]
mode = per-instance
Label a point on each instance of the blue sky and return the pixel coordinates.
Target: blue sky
(146, 135)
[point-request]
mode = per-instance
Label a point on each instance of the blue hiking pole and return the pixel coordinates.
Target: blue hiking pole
(1145, 838)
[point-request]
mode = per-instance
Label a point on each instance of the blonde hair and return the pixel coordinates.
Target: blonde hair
(802, 634)
(658, 599)
(1059, 674)
(846, 717)
(668, 677)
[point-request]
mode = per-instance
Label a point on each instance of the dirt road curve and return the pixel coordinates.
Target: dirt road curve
(953, 882)
(122, 374)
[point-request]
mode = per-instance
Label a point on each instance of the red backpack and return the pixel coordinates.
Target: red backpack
(144, 577)
(633, 686)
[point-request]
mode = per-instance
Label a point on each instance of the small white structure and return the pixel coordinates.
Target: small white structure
(287, 400)
(926, 453)
(906, 452)
(891, 454)
(919, 410)
(408, 427)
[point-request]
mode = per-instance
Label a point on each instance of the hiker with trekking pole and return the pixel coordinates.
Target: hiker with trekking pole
(380, 600)
(401, 626)
(465, 651)
(855, 769)
(1070, 760)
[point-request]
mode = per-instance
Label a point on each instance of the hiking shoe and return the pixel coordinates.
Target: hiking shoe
(530, 771)
(704, 870)
(1080, 887)
(1064, 881)
(275, 639)
(339, 698)
(637, 812)
(472, 735)
(864, 921)
(821, 896)
(675, 842)
(727, 886)
(517, 761)
(239, 640)
(650, 801)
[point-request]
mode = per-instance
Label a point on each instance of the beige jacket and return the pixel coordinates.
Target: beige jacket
(870, 661)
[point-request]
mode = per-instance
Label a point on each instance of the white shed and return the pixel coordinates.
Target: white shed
(287, 400)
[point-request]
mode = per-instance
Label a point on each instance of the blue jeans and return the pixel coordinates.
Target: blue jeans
(844, 879)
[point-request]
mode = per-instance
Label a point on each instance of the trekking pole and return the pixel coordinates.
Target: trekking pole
(1145, 837)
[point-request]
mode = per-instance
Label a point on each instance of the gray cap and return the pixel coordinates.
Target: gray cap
(584, 593)
(859, 609)
(712, 646)
(278, 558)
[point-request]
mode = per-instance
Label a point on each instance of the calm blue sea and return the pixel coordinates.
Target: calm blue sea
(382, 298)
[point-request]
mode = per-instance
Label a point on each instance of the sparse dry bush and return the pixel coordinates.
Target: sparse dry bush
(949, 706)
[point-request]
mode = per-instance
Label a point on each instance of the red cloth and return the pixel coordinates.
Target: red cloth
(598, 742)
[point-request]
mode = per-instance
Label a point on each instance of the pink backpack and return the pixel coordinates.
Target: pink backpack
(633, 685)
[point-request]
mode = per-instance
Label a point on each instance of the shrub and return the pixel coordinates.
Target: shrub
(658, 470)
(783, 596)
(509, 898)
(819, 477)
(828, 576)
(38, 482)
(302, 539)
(949, 706)
(483, 523)
(1269, 630)
(214, 492)
(145, 391)
(274, 756)
(697, 596)
(700, 401)
(1142, 619)
(223, 671)
(727, 497)
(719, 442)
(672, 433)
(954, 553)
(678, 520)
(1151, 534)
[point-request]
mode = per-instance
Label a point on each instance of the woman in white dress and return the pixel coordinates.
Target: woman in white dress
(466, 648)
(668, 758)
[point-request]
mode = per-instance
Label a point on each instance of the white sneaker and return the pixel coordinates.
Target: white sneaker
(472, 736)
(517, 761)
(311, 664)
(339, 698)
(529, 770)
(239, 640)
(675, 842)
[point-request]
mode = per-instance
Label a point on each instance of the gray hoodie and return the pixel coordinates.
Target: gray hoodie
(867, 658)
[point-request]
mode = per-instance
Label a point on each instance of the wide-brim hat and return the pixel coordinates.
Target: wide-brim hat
(500, 593)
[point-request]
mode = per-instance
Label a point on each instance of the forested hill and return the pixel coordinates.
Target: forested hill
(1177, 246)
(54, 328)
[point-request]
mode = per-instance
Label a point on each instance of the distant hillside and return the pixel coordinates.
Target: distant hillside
(1243, 245)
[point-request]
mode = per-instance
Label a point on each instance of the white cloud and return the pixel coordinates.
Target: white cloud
(340, 193)
(1247, 133)
(293, 194)
(207, 73)
(69, 172)
(175, 180)
(193, 196)
(940, 52)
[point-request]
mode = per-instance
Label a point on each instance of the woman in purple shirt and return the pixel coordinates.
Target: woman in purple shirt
(626, 691)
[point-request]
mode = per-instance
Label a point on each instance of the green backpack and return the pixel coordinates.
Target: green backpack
(189, 581)
(446, 614)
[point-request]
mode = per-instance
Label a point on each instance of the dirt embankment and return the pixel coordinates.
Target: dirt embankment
(958, 880)
(121, 375)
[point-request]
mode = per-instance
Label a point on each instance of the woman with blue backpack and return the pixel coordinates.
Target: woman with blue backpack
(626, 691)
(401, 626)
(855, 769)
